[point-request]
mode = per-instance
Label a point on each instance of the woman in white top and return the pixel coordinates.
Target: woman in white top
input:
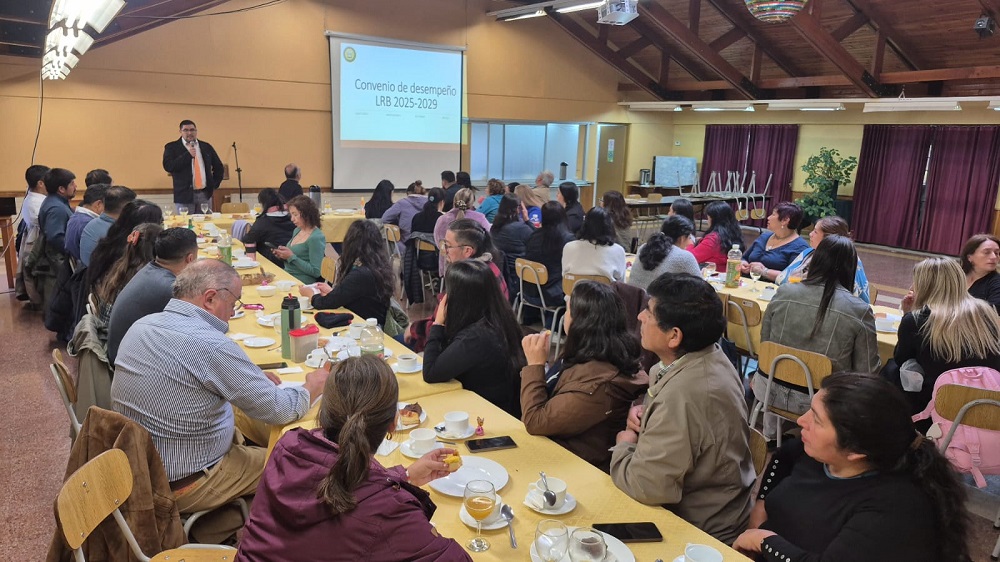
(596, 252)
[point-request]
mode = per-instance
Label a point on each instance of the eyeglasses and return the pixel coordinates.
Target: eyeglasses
(188, 130)
(238, 304)
(445, 246)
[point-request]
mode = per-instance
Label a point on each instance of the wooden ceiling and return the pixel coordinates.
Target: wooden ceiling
(714, 49)
(24, 23)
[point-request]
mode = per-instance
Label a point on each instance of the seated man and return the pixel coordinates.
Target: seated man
(687, 446)
(177, 375)
(151, 288)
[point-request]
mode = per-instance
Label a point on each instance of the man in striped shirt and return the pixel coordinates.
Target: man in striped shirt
(178, 375)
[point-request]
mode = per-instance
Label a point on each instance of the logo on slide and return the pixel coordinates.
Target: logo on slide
(350, 54)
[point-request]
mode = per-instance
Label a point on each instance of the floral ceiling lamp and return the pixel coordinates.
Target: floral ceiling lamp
(775, 11)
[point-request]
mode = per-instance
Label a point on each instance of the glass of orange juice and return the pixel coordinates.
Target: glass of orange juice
(480, 499)
(795, 278)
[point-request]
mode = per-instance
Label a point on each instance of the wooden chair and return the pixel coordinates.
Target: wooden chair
(872, 294)
(791, 366)
(534, 273)
(758, 450)
(569, 281)
(67, 390)
(433, 280)
(235, 207)
(392, 235)
(746, 314)
(96, 490)
(328, 269)
(975, 407)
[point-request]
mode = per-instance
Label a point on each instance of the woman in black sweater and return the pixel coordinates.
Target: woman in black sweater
(475, 338)
(545, 246)
(510, 233)
(364, 282)
(273, 225)
(569, 196)
(862, 485)
(979, 259)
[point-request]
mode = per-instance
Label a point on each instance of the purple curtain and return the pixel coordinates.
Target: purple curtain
(961, 187)
(887, 189)
(772, 153)
(725, 151)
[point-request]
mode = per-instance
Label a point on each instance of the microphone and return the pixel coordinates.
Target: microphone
(234, 144)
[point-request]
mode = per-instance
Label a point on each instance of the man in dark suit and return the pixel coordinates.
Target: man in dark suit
(291, 187)
(194, 166)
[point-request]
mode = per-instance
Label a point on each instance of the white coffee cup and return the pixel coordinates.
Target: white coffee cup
(239, 253)
(456, 423)
(305, 303)
(407, 362)
(316, 358)
(536, 491)
(285, 285)
(354, 330)
(701, 553)
(884, 325)
(422, 440)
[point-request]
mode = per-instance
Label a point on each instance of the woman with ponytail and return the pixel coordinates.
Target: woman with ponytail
(861, 485)
(463, 208)
(665, 252)
(323, 496)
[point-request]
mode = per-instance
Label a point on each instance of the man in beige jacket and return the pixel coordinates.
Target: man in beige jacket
(686, 447)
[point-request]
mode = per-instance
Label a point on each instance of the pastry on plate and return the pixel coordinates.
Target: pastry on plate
(410, 414)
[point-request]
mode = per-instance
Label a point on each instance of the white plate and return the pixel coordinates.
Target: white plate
(268, 319)
(423, 417)
(419, 367)
(258, 342)
(337, 343)
(407, 450)
(889, 331)
(616, 550)
(766, 296)
(473, 468)
(245, 264)
(238, 314)
(498, 523)
(567, 506)
(343, 211)
(444, 433)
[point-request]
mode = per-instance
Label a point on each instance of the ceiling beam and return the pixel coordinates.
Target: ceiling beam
(825, 45)
(15, 43)
(19, 19)
(944, 74)
(742, 19)
(146, 17)
(685, 61)
(903, 48)
(674, 28)
(727, 39)
(853, 23)
(629, 50)
(694, 15)
(610, 56)
(879, 54)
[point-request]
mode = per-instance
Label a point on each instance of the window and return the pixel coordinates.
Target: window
(519, 151)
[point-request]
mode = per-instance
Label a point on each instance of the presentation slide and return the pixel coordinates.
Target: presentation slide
(399, 95)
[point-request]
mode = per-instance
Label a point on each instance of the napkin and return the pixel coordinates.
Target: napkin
(239, 336)
(291, 384)
(386, 448)
(333, 320)
(289, 370)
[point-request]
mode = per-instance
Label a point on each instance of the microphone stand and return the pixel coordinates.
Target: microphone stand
(239, 171)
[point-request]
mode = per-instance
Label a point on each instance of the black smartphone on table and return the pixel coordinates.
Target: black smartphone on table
(631, 532)
(490, 444)
(269, 366)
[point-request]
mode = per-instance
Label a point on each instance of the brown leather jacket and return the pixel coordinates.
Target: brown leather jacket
(150, 511)
(586, 410)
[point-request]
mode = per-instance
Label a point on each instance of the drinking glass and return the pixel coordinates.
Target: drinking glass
(480, 497)
(755, 275)
(168, 211)
(327, 209)
(204, 208)
(183, 210)
(587, 545)
(257, 209)
(551, 540)
(795, 278)
(708, 270)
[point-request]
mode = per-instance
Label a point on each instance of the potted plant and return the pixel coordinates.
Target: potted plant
(827, 171)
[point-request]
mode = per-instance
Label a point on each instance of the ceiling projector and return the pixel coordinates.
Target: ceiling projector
(618, 12)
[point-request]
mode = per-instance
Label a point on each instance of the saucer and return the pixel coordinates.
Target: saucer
(567, 506)
(408, 451)
(237, 314)
(258, 342)
(444, 433)
(416, 369)
(497, 523)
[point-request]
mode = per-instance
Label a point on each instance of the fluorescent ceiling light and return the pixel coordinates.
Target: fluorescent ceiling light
(722, 106)
(995, 105)
(804, 105)
(78, 13)
(912, 105)
(651, 106)
(65, 40)
(539, 9)
(539, 13)
(587, 6)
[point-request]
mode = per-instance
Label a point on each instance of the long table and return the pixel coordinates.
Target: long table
(333, 224)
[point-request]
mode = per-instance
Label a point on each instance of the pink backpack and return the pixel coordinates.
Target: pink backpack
(972, 450)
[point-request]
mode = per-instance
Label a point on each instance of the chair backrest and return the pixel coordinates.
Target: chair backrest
(214, 554)
(794, 366)
(951, 399)
(93, 492)
(425, 246)
(328, 269)
(872, 294)
(62, 373)
(655, 198)
(392, 233)
(758, 450)
(531, 271)
(745, 312)
(236, 207)
(569, 280)
(633, 196)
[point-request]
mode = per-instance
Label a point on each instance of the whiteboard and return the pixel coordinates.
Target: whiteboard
(675, 171)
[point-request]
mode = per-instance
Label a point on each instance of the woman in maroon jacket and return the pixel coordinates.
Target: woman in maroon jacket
(356, 509)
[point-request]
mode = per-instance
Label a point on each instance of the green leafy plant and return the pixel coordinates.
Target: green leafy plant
(826, 172)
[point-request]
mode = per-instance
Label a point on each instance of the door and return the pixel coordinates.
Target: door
(611, 141)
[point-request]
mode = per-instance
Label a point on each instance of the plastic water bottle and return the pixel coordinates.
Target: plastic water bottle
(372, 339)
(291, 319)
(226, 247)
(733, 261)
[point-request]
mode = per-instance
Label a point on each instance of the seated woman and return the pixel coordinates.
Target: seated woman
(495, 189)
(510, 232)
(427, 218)
(800, 265)
(614, 203)
(304, 253)
(138, 252)
(776, 249)
(364, 281)
(723, 232)
(861, 485)
(532, 202)
(462, 208)
(596, 252)
(684, 208)
(380, 201)
(665, 253)
(475, 338)
(111, 248)
(979, 262)
(324, 491)
(569, 197)
(546, 246)
(822, 315)
(944, 327)
(273, 226)
(582, 402)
